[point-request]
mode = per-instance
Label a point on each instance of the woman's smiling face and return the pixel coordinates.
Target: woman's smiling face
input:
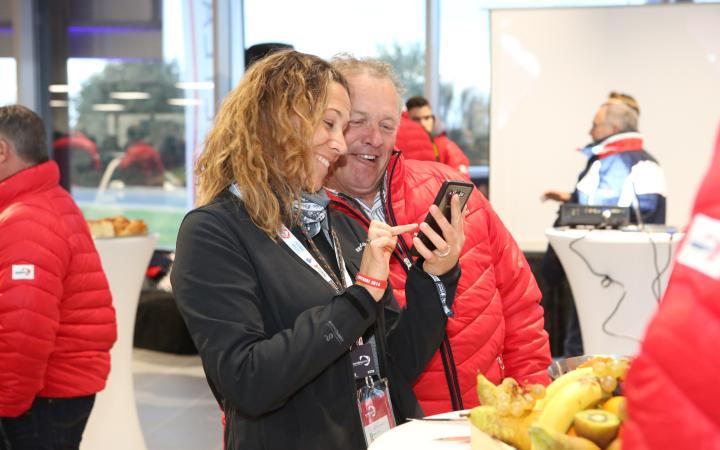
(328, 142)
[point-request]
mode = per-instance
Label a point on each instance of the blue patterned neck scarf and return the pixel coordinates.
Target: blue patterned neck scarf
(313, 212)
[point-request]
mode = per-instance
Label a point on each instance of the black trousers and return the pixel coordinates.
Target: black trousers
(49, 424)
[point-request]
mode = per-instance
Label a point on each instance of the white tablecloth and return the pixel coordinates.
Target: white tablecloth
(627, 257)
(114, 423)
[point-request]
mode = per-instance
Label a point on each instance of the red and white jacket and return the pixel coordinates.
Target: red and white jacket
(497, 328)
(57, 322)
(672, 387)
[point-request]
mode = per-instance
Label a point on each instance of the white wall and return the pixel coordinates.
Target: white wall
(552, 68)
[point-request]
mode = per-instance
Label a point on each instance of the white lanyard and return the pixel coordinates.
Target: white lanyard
(291, 241)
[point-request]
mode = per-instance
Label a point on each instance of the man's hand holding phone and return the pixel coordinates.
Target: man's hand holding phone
(448, 245)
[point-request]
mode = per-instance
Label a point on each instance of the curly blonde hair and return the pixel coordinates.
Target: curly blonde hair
(262, 136)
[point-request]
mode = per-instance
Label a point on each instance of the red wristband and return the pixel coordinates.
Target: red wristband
(374, 282)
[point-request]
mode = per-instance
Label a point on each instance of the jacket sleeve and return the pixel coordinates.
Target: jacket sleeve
(419, 331)
(219, 295)
(526, 353)
(33, 260)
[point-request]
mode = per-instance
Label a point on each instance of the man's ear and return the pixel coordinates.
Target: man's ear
(4, 150)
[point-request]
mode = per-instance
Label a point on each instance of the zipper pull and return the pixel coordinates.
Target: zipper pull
(407, 262)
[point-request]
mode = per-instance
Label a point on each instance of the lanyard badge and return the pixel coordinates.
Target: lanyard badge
(373, 396)
(363, 361)
(376, 413)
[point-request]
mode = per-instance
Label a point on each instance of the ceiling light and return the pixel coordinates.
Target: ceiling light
(108, 107)
(184, 101)
(195, 85)
(58, 88)
(130, 95)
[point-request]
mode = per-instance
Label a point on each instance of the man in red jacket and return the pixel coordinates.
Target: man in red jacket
(57, 322)
(414, 141)
(672, 387)
(497, 326)
(446, 151)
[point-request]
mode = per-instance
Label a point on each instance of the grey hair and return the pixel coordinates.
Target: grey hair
(26, 131)
(349, 65)
(621, 116)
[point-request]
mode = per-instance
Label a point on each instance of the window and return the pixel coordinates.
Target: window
(131, 105)
(8, 70)
(391, 30)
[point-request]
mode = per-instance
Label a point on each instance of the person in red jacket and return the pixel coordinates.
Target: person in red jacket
(414, 140)
(57, 322)
(672, 386)
(446, 151)
(497, 326)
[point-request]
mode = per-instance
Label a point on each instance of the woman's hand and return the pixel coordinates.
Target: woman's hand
(380, 244)
(449, 245)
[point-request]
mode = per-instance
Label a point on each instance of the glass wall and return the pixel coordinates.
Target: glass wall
(8, 70)
(391, 30)
(129, 84)
(132, 97)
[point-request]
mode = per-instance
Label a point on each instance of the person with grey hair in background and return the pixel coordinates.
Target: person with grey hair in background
(57, 322)
(619, 172)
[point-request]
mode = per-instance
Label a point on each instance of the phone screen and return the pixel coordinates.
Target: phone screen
(442, 200)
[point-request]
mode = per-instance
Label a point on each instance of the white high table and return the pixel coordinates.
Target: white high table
(626, 257)
(448, 431)
(114, 423)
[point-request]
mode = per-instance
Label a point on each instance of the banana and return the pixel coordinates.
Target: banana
(510, 429)
(557, 414)
(486, 391)
(560, 382)
(543, 439)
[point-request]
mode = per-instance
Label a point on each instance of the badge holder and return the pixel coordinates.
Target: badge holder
(375, 408)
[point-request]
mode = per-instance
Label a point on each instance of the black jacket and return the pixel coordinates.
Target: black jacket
(274, 336)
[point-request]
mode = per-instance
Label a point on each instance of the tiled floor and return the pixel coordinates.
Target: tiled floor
(175, 406)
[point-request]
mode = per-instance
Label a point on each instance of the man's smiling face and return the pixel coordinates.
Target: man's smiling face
(370, 137)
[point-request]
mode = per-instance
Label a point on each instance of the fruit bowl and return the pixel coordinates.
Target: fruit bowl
(564, 365)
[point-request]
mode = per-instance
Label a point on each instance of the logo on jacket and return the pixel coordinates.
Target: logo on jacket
(23, 272)
(701, 250)
(360, 247)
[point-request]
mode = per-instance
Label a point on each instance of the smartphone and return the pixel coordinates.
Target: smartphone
(449, 188)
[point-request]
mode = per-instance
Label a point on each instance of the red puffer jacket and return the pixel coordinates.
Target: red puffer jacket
(452, 155)
(57, 322)
(497, 328)
(414, 141)
(672, 387)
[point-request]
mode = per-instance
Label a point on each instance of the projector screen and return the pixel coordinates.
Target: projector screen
(552, 69)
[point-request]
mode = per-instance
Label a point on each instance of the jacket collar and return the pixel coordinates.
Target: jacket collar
(38, 178)
(617, 143)
(395, 186)
(395, 173)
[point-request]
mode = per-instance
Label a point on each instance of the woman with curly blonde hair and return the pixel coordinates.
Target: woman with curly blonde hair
(279, 294)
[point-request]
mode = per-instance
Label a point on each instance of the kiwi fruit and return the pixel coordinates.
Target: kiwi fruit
(597, 425)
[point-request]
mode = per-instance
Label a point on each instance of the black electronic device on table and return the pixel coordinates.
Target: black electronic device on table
(596, 216)
(463, 189)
